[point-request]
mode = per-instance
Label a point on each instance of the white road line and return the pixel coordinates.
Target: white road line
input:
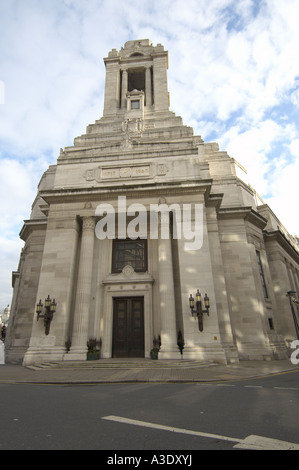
(265, 443)
(225, 385)
(285, 388)
(146, 424)
(253, 386)
(249, 386)
(250, 442)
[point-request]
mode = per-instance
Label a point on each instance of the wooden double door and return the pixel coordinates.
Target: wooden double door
(128, 327)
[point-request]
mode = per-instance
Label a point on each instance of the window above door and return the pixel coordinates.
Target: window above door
(129, 252)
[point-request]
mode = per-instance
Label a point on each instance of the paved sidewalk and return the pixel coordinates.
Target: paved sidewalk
(108, 372)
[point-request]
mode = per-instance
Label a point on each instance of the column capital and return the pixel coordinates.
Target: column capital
(88, 223)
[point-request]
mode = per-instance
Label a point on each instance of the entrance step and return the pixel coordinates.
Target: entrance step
(126, 364)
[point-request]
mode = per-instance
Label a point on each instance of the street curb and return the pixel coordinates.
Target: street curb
(144, 381)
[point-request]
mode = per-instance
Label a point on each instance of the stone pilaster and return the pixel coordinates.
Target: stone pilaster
(161, 97)
(124, 89)
(112, 87)
(148, 87)
(169, 348)
(81, 318)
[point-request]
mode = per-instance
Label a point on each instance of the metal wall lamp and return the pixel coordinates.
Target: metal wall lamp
(50, 309)
(291, 294)
(198, 311)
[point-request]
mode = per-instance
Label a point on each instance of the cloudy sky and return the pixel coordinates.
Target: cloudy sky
(233, 76)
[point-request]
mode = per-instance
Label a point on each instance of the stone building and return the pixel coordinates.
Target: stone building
(137, 215)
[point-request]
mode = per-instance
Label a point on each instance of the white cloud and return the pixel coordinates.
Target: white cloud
(251, 147)
(273, 178)
(284, 201)
(232, 76)
(294, 148)
(9, 257)
(17, 191)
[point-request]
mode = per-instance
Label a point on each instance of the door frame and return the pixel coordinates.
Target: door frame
(119, 286)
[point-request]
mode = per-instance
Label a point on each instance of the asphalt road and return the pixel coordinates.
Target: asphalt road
(173, 417)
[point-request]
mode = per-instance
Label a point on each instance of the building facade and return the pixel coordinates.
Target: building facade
(134, 218)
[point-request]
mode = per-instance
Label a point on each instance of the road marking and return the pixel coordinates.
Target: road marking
(253, 386)
(265, 443)
(146, 424)
(285, 388)
(250, 386)
(251, 442)
(225, 385)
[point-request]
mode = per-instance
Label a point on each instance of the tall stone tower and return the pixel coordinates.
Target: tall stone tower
(136, 76)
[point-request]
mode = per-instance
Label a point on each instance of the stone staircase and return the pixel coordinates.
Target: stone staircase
(125, 364)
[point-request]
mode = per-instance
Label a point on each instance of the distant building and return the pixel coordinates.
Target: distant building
(4, 316)
(179, 217)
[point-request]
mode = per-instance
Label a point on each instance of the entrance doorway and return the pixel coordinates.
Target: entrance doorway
(128, 327)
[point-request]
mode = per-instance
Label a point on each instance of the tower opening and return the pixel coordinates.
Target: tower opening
(136, 80)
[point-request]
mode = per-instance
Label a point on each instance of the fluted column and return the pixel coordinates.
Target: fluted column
(169, 348)
(81, 317)
(148, 87)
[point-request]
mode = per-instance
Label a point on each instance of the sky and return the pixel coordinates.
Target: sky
(233, 76)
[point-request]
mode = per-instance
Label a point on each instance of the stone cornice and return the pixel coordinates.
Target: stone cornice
(30, 225)
(280, 238)
(14, 276)
(244, 212)
(128, 276)
(131, 190)
(111, 151)
(215, 200)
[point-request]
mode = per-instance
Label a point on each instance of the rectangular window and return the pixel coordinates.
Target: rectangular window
(129, 252)
(135, 104)
(258, 256)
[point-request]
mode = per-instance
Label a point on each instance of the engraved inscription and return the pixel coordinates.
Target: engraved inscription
(126, 172)
(110, 173)
(141, 171)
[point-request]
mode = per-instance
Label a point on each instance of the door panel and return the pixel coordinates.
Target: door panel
(120, 327)
(128, 327)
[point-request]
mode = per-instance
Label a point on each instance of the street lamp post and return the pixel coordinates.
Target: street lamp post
(199, 311)
(50, 309)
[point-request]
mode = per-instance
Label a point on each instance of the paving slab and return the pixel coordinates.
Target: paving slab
(128, 372)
